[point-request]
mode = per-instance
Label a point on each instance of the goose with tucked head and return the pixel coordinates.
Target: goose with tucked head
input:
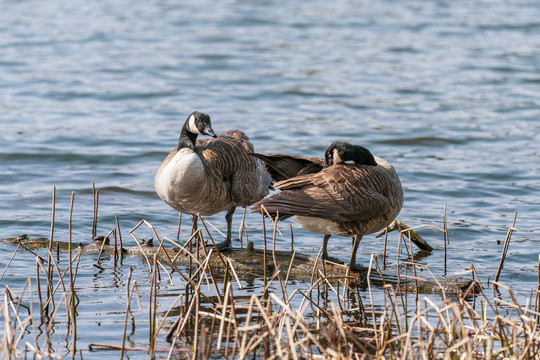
(212, 175)
(349, 193)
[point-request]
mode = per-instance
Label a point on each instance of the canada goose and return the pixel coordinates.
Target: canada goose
(211, 175)
(354, 194)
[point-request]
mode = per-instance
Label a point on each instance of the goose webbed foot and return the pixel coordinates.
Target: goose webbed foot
(357, 268)
(224, 246)
(354, 267)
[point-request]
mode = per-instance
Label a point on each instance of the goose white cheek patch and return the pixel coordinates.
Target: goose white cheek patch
(337, 158)
(192, 127)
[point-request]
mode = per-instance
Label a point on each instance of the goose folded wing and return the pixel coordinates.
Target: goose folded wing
(336, 193)
(227, 155)
(296, 202)
(297, 182)
(347, 204)
(306, 202)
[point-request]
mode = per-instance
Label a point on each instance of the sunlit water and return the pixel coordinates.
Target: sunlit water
(96, 92)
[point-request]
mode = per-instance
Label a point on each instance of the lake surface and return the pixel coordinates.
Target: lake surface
(96, 92)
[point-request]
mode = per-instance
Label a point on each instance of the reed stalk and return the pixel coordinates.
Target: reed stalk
(119, 236)
(73, 308)
(265, 256)
(445, 237)
(153, 309)
(505, 248)
(49, 271)
(129, 293)
(95, 195)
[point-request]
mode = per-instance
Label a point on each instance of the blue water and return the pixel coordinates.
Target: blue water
(447, 91)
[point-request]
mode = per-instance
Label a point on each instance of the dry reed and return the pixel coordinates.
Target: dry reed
(326, 318)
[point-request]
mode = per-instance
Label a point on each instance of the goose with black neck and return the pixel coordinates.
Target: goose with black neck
(349, 193)
(207, 176)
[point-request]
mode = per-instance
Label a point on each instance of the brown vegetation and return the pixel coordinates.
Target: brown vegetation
(328, 318)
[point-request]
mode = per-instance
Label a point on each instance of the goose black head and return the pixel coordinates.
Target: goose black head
(342, 152)
(199, 123)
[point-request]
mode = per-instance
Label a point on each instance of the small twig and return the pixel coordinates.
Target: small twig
(505, 249)
(31, 251)
(129, 294)
(119, 236)
(97, 264)
(139, 244)
(10, 260)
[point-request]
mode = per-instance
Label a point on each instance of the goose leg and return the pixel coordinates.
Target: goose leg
(352, 263)
(227, 245)
(325, 251)
(194, 228)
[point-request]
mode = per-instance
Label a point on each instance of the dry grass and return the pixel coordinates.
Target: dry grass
(328, 317)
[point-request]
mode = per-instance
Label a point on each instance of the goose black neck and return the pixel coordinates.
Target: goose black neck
(187, 139)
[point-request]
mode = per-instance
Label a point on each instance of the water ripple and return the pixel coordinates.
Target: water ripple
(447, 91)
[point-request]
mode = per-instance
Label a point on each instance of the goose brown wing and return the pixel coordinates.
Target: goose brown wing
(226, 154)
(340, 193)
(360, 191)
(228, 163)
(289, 203)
